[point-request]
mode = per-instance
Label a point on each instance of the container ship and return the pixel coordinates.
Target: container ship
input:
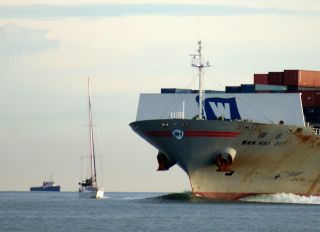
(260, 138)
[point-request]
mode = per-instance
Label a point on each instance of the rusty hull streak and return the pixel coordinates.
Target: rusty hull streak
(304, 138)
(314, 185)
(307, 138)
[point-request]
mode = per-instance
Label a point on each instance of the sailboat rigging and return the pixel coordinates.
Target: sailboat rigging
(89, 187)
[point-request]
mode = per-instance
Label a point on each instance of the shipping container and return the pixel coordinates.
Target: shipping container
(212, 91)
(307, 99)
(233, 89)
(167, 90)
(310, 98)
(175, 90)
(291, 77)
(264, 91)
(260, 79)
(312, 114)
(297, 88)
(276, 78)
(302, 78)
(247, 88)
(207, 91)
(271, 88)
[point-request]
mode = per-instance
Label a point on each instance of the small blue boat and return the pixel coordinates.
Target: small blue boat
(49, 186)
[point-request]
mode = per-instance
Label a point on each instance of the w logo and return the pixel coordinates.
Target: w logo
(178, 134)
(220, 107)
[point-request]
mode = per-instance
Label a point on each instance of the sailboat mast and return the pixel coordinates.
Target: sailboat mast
(91, 141)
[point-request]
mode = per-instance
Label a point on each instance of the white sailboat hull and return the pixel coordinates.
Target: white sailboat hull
(92, 193)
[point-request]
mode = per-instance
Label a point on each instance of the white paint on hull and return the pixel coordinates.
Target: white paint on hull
(96, 193)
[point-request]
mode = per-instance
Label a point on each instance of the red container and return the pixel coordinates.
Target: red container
(275, 78)
(310, 98)
(307, 99)
(291, 77)
(317, 97)
(302, 78)
(260, 79)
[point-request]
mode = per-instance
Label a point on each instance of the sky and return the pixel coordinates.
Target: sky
(48, 50)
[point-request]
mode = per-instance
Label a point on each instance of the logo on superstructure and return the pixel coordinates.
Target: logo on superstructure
(178, 134)
(216, 108)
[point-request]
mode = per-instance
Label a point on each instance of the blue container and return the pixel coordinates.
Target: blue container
(167, 90)
(248, 89)
(277, 88)
(175, 90)
(233, 89)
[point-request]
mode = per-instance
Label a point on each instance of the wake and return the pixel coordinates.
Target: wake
(184, 197)
(286, 198)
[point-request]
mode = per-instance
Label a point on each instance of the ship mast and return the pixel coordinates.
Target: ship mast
(197, 62)
(91, 141)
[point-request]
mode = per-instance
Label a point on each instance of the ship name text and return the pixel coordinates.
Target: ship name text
(261, 143)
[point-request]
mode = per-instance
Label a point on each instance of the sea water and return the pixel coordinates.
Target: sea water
(121, 212)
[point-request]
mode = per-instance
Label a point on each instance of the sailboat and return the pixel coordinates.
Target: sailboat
(89, 188)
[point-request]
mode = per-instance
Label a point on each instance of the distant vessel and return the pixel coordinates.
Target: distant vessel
(237, 144)
(49, 186)
(89, 188)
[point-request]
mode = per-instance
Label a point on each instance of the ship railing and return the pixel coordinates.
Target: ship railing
(177, 115)
(316, 131)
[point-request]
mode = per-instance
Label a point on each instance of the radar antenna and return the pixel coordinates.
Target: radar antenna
(198, 63)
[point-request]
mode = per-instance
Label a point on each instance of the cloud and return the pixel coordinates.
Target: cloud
(112, 10)
(20, 40)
